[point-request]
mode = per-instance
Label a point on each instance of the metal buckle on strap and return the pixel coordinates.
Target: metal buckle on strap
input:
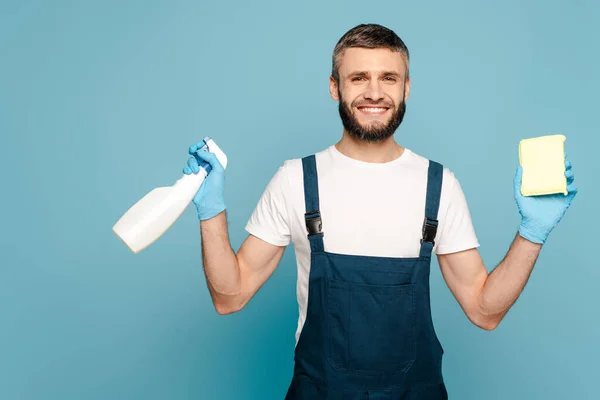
(429, 230)
(313, 223)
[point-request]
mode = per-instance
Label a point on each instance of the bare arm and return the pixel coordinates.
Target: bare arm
(484, 298)
(234, 279)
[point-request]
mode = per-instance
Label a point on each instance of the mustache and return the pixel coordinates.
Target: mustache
(378, 104)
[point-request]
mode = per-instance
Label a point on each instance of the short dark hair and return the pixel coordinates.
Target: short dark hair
(371, 36)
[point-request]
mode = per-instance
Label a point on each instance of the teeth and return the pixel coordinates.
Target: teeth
(373, 109)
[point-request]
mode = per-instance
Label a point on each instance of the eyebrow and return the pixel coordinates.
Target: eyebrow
(383, 73)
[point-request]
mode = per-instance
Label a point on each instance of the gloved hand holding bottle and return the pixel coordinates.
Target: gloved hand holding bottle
(209, 200)
(541, 214)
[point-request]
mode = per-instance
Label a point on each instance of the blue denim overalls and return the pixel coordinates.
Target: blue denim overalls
(368, 333)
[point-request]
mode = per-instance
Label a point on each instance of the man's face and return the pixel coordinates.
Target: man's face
(372, 92)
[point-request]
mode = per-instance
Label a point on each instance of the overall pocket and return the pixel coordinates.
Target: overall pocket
(371, 327)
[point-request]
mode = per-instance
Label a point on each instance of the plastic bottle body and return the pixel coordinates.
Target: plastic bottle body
(153, 214)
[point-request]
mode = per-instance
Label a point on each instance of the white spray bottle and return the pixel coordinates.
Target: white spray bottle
(154, 213)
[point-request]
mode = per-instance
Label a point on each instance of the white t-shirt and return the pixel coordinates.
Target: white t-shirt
(372, 209)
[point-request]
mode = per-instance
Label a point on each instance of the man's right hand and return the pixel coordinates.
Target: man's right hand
(232, 279)
(209, 200)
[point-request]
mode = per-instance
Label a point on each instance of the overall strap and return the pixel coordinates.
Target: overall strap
(432, 204)
(311, 200)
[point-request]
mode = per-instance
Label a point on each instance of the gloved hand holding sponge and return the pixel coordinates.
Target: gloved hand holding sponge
(543, 186)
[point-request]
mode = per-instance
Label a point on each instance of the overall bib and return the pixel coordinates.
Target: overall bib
(368, 333)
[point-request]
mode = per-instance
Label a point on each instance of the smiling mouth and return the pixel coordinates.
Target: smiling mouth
(370, 110)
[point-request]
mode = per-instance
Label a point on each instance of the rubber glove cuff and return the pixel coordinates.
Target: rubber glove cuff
(205, 212)
(533, 232)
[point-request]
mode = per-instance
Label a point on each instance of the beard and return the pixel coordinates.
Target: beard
(376, 131)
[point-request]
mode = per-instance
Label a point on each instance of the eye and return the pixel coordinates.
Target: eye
(357, 78)
(390, 78)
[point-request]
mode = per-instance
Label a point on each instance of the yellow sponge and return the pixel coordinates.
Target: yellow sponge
(543, 162)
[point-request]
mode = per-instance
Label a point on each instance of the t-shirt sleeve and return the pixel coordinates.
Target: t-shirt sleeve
(456, 227)
(269, 220)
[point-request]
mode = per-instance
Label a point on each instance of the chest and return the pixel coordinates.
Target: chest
(369, 215)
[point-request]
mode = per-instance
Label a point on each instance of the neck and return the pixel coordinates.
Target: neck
(380, 152)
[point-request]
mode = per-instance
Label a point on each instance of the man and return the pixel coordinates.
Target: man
(364, 216)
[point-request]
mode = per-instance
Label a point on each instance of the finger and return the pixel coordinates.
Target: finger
(572, 188)
(187, 170)
(569, 175)
(195, 147)
(517, 181)
(210, 158)
(518, 175)
(193, 165)
(568, 165)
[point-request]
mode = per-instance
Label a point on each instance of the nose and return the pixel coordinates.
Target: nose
(374, 92)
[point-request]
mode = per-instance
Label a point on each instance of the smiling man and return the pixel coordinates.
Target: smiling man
(365, 216)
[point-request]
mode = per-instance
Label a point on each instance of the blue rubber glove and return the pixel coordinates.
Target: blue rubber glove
(541, 214)
(209, 200)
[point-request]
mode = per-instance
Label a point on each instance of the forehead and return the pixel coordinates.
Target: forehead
(372, 60)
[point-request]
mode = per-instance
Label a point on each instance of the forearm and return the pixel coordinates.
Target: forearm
(506, 282)
(220, 263)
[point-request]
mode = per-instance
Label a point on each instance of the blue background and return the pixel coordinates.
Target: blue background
(99, 102)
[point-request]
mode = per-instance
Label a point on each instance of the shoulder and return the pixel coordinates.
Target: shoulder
(421, 163)
(292, 168)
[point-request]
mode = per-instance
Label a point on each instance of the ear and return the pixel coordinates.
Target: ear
(406, 88)
(333, 89)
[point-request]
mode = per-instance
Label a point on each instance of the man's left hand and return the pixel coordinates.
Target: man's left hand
(541, 214)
